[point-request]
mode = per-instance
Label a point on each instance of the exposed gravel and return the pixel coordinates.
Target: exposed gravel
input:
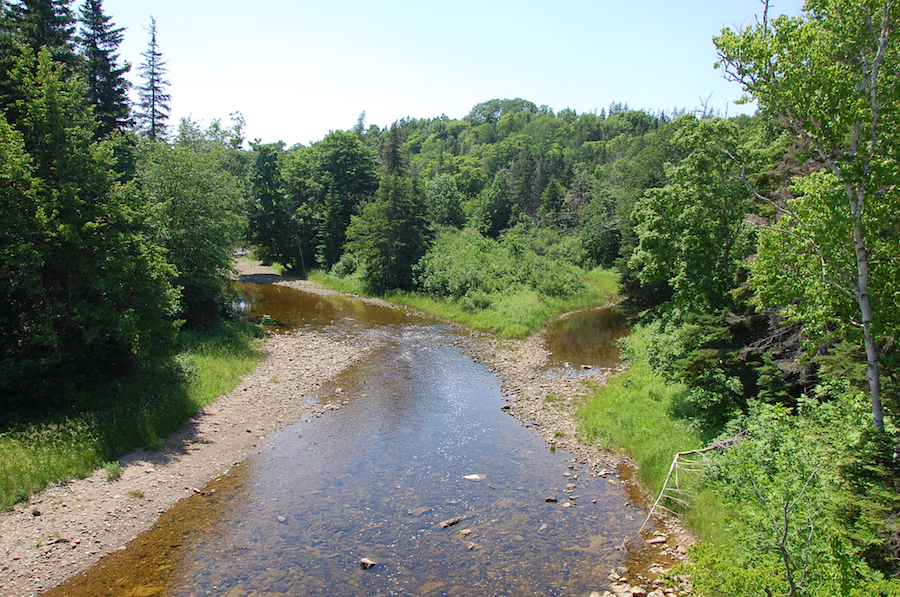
(546, 398)
(66, 528)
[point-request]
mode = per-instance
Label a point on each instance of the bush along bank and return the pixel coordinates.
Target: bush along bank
(802, 504)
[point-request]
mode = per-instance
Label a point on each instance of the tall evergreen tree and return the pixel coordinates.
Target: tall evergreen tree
(28, 26)
(107, 86)
(153, 109)
(46, 23)
(391, 234)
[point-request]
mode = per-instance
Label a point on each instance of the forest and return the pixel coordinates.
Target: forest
(758, 256)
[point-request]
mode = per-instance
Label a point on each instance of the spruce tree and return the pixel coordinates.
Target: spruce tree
(107, 86)
(391, 234)
(26, 27)
(153, 109)
(45, 23)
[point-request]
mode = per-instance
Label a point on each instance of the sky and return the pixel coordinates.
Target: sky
(298, 69)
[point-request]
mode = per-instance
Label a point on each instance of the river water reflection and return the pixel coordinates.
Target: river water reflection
(419, 439)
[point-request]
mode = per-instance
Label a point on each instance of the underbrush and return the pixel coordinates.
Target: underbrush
(498, 286)
(140, 409)
(804, 504)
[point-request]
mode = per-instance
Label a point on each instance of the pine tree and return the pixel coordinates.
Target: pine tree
(107, 86)
(153, 110)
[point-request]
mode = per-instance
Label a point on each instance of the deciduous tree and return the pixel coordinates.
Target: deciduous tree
(692, 232)
(831, 78)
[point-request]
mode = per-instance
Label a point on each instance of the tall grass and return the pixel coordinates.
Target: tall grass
(632, 415)
(138, 410)
(604, 281)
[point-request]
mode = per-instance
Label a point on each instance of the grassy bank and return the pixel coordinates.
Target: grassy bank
(138, 410)
(511, 314)
(631, 415)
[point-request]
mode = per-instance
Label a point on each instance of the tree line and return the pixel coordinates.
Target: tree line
(113, 235)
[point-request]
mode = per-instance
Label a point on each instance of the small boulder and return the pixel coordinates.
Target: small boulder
(367, 563)
(450, 522)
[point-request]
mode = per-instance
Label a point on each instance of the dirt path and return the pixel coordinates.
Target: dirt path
(65, 529)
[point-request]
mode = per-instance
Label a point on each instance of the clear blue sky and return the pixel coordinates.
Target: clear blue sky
(297, 69)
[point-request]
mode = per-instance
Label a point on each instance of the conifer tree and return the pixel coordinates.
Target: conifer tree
(28, 26)
(107, 86)
(391, 234)
(45, 23)
(153, 108)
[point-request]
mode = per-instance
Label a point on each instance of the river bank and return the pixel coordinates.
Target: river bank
(65, 529)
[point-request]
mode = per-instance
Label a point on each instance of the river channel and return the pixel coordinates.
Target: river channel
(418, 474)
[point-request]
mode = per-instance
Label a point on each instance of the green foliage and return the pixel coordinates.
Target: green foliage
(491, 210)
(112, 470)
(444, 202)
(630, 414)
(709, 355)
(464, 263)
(107, 86)
(795, 509)
(152, 112)
(303, 199)
(809, 258)
(346, 171)
(90, 291)
(197, 211)
(830, 77)
(693, 233)
(390, 234)
(270, 224)
(605, 281)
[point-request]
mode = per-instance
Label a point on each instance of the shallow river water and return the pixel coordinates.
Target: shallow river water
(419, 440)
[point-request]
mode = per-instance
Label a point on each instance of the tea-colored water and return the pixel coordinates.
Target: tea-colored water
(587, 338)
(374, 480)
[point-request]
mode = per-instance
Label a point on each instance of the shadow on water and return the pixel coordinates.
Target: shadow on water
(291, 308)
(418, 439)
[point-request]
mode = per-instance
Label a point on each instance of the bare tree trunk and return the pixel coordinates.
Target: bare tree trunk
(866, 311)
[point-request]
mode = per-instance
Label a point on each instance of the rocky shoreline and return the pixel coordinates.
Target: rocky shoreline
(65, 529)
(546, 399)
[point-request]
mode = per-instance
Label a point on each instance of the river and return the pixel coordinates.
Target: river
(412, 482)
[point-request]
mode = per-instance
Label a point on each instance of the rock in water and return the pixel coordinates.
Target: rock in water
(367, 563)
(450, 522)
